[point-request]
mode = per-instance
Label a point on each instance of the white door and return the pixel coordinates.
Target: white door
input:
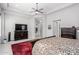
(56, 28)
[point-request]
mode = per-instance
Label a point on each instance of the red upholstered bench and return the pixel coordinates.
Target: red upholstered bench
(24, 48)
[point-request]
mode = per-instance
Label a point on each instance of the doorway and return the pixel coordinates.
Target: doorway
(38, 28)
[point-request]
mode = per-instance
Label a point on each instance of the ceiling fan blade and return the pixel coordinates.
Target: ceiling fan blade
(41, 12)
(31, 11)
(41, 9)
(33, 8)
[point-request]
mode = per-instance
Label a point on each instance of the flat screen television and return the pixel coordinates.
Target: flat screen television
(20, 27)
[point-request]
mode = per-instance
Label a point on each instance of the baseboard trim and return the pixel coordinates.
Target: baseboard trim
(49, 37)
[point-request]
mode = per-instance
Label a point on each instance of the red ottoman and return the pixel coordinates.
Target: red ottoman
(24, 48)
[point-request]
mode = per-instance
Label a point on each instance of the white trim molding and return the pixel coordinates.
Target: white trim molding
(61, 8)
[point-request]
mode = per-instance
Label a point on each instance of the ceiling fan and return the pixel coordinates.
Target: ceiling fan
(37, 10)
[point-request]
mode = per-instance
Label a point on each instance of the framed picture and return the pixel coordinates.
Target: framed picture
(49, 26)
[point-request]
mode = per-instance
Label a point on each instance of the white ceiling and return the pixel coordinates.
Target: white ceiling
(26, 8)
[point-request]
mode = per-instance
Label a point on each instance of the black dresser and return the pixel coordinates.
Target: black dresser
(68, 32)
(20, 33)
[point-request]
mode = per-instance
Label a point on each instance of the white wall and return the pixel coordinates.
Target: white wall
(0, 25)
(69, 17)
(49, 32)
(0, 28)
(11, 20)
(31, 28)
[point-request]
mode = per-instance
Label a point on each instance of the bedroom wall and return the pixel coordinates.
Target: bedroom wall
(31, 28)
(0, 25)
(11, 20)
(69, 17)
(0, 28)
